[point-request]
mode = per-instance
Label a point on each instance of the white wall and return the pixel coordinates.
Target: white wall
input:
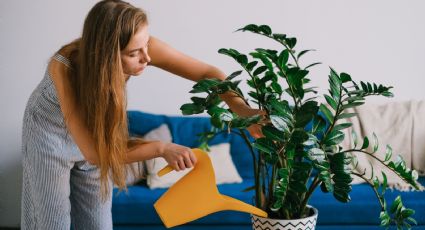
(379, 41)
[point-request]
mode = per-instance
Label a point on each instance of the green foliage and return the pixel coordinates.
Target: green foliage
(279, 86)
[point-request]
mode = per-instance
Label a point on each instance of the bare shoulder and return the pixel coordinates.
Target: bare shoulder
(60, 74)
(58, 70)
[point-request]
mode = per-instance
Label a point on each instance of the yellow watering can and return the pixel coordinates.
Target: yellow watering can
(196, 195)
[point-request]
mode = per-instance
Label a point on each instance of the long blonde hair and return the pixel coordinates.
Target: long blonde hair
(99, 83)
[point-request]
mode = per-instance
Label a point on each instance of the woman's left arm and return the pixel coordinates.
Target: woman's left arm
(167, 58)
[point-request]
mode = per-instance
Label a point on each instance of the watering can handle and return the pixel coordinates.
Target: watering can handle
(165, 170)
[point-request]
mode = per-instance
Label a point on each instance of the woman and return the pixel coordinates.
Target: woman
(75, 138)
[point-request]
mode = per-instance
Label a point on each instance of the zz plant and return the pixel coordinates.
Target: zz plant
(301, 148)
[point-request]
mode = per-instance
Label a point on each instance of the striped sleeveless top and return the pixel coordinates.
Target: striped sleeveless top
(44, 127)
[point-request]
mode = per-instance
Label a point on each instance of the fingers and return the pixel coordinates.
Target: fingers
(176, 166)
(179, 157)
(188, 161)
(255, 131)
(181, 164)
(193, 158)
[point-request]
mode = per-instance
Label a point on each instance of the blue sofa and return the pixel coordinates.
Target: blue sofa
(134, 209)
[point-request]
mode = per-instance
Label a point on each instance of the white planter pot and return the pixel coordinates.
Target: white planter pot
(308, 223)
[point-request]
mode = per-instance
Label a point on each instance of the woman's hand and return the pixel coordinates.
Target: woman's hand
(255, 129)
(178, 157)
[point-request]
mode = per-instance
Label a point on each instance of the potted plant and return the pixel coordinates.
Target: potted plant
(301, 148)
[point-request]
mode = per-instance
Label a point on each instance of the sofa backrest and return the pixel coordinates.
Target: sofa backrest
(185, 130)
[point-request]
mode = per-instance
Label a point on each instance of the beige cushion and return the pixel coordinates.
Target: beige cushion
(224, 168)
(162, 133)
(398, 124)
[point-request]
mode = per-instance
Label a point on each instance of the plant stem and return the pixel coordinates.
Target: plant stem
(255, 165)
(260, 101)
(337, 112)
(380, 161)
(272, 184)
(374, 189)
(310, 191)
(238, 94)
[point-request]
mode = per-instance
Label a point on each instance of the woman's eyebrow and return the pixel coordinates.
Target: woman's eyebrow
(133, 50)
(147, 44)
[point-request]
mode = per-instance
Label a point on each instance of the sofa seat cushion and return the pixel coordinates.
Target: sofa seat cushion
(136, 206)
(364, 208)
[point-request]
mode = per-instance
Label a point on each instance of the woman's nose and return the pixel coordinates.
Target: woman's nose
(145, 58)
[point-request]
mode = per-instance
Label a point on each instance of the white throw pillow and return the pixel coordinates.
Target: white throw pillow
(162, 133)
(225, 170)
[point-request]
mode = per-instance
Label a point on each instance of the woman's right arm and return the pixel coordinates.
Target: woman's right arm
(73, 120)
(179, 157)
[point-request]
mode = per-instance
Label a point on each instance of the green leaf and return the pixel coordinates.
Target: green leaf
(345, 77)
(331, 102)
(355, 139)
(316, 154)
(265, 29)
(281, 108)
(318, 124)
(334, 137)
(352, 104)
(294, 78)
(265, 145)
(346, 115)
(283, 172)
(242, 59)
(240, 122)
(375, 143)
(216, 122)
(328, 114)
(396, 204)
(198, 100)
(252, 82)
(342, 196)
(384, 182)
(365, 143)
(369, 87)
(279, 37)
(253, 95)
(342, 126)
(233, 75)
(304, 52)
(189, 109)
(205, 85)
(279, 123)
(385, 219)
(226, 116)
(228, 52)
(283, 58)
(311, 65)
(277, 88)
(412, 220)
(335, 84)
(251, 65)
(312, 140)
(251, 27)
(291, 42)
(299, 136)
(260, 70)
(306, 113)
(273, 133)
(263, 58)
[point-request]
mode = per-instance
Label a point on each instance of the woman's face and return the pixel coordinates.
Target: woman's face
(135, 55)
